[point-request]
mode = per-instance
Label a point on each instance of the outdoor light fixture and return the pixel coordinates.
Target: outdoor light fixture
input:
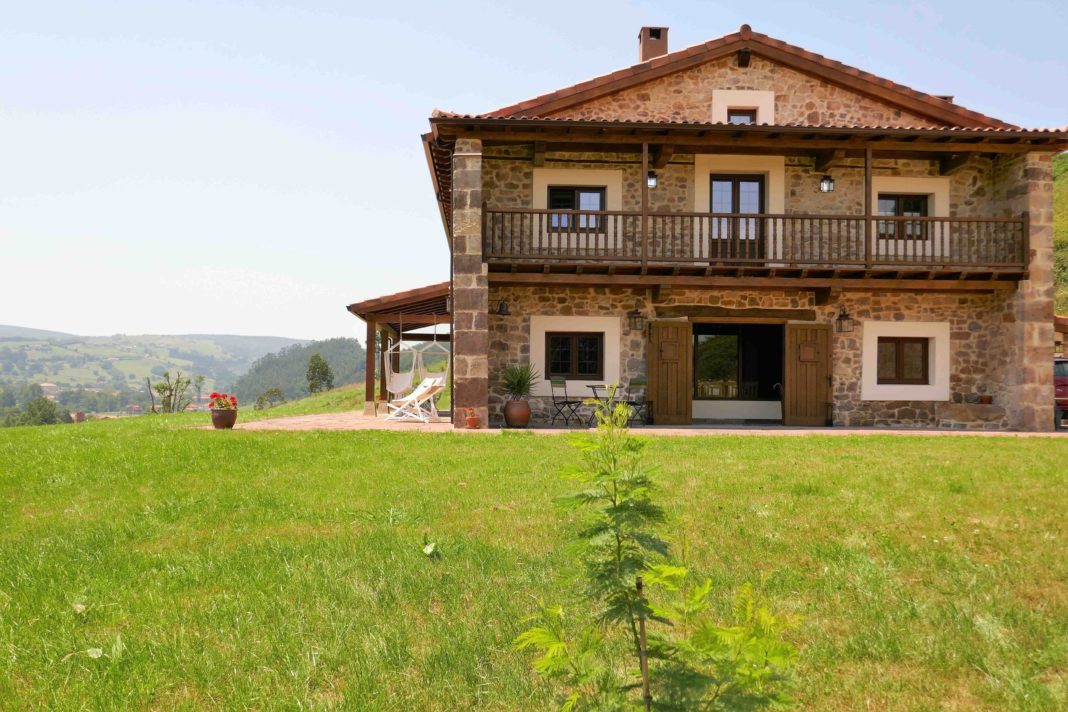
(502, 308)
(651, 180)
(826, 184)
(844, 323)
(635, 320)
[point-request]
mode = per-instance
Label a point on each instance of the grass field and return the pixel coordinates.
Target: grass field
(148, 565)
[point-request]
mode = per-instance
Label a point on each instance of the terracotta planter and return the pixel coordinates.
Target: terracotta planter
(471, 422)
(517, 413)
(223, 419)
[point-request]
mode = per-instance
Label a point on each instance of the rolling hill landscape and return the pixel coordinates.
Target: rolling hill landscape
(124, 361)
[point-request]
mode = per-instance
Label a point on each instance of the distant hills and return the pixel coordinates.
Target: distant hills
(287, 369)
(123, 361)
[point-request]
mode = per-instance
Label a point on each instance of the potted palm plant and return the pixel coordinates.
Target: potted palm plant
(518, 382)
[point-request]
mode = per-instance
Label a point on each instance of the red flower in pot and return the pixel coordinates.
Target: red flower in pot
(223, 410)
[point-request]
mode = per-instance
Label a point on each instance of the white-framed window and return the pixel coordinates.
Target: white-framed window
(597, 343)
(905, 360)
(743, 106)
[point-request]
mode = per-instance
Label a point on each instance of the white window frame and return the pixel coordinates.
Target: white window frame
(937, 368)
(610, 326)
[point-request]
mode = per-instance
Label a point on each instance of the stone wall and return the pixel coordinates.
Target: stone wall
(1025, 184)
(687, 96)
(509, 336)
(979, 325)
(508, 176)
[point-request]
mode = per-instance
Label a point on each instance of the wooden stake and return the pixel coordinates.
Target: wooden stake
(643, 653)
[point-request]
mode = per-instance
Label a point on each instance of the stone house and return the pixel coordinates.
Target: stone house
(764, 234)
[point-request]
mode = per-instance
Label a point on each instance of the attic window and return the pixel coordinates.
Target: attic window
(741, 116)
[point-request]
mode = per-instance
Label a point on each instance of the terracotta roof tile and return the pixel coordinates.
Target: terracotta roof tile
(441, 114)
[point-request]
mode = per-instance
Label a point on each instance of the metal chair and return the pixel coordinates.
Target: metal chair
(563, 405)
(634, 396)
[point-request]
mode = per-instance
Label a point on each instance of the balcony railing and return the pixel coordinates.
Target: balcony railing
(828, 241)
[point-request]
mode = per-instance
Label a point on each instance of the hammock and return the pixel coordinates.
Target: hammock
(399, 381)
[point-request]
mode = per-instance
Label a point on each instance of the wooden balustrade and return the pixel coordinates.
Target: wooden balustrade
(766, 240)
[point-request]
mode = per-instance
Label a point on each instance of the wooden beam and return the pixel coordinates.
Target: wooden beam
(825, 159)
(645, 204)
(951, 164)
(539, 154)
(869, 244)
(537, 279)
(398, 318)
(369, 367)
(703, 312)
(661, 156)
(745, 139)
(382, 393)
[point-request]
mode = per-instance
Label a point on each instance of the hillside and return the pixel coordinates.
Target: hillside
(287, 369)
(1060, 228)
(115, 362)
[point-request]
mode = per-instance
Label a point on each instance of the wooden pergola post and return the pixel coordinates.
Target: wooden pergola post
(382, 393)
(369, 369)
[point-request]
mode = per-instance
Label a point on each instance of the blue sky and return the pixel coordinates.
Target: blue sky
(252, 167)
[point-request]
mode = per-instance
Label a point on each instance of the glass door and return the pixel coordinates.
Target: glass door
(732, 234)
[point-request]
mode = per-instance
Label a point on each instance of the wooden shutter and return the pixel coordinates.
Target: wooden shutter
(670, 365)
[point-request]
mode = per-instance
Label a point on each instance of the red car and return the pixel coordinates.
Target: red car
(1060, 387)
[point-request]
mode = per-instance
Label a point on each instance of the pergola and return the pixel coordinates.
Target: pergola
(389, 319)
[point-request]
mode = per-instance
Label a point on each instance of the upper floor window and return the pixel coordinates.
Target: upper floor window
(741, 116)
(905, 206)
(576, 198)
(574, 355)
(903, 361)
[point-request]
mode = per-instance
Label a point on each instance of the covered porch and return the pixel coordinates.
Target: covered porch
(415, 315)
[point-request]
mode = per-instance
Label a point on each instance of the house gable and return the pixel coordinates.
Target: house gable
(680, 81)
(687, 96)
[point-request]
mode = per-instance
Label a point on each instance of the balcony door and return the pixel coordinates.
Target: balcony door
(736, 237)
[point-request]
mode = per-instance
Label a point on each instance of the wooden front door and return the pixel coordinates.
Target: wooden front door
(807, 396)
(671, 372)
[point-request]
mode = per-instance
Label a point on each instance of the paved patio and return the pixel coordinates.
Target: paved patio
(359, 421)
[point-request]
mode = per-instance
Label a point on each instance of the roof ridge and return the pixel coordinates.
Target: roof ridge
(745, 38)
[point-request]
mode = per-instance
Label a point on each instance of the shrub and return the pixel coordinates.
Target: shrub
(696, 663)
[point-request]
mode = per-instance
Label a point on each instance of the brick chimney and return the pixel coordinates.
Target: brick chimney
(652, 43)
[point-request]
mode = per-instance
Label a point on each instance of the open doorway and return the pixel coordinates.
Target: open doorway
(738, 373)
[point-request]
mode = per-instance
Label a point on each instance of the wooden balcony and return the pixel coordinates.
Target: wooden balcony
(805, 246)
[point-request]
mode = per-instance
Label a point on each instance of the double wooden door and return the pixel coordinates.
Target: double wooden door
(807, 378)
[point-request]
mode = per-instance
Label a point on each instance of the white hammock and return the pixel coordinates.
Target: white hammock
(399, 382)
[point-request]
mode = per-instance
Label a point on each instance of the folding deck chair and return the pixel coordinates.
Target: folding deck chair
(564, 406)
(419, 404)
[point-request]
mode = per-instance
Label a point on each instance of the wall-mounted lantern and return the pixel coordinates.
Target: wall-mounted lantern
(651, 179)
(635, 320)
(844, 323)
(827, 184)
(502, 308)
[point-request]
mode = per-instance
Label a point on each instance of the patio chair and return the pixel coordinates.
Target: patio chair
(564, 406)
(419, 404)
(634, 396)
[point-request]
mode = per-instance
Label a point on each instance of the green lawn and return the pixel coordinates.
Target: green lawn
(235, 570)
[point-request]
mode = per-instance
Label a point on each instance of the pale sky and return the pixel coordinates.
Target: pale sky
(251, 167)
